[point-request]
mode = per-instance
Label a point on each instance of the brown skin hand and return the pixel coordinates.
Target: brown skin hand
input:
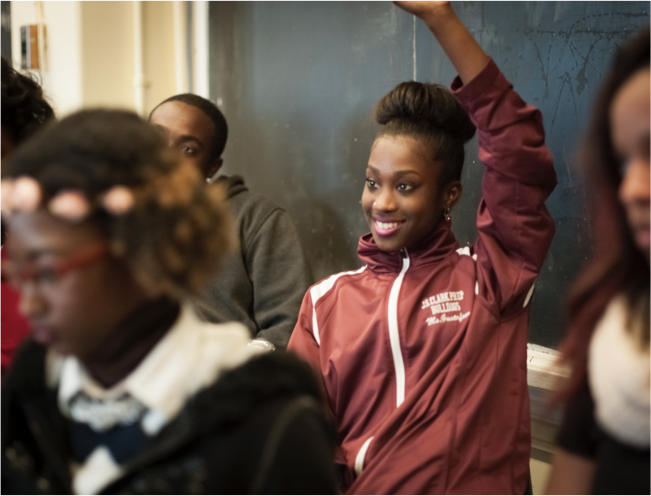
(468, 58)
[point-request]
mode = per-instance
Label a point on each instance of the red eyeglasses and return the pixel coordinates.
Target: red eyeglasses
(42, 274)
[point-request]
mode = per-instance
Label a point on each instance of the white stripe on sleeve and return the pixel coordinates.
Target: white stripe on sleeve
(319, 290)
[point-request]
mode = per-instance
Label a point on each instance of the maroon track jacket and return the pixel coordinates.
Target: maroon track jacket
(422, 352)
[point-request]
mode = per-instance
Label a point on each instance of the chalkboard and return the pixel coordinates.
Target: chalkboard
(297, 82)
(5, 29)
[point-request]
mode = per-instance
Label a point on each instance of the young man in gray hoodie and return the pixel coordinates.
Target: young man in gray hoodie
(263, 283)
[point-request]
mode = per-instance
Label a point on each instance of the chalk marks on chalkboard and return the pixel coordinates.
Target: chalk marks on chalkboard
(543, 72)
(580, 76)
(589, 41)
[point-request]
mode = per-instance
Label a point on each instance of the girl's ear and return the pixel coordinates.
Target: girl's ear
(452, 193)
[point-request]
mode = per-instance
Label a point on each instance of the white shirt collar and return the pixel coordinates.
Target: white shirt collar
(188, 358)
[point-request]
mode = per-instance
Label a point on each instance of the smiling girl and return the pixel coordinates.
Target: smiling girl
(422, 352)
(121, 388)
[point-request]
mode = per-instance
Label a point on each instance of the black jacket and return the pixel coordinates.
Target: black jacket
(258, 430)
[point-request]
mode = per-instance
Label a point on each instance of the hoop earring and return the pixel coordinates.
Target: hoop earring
(446, 214)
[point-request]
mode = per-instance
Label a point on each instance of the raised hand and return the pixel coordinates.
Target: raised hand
(426, 10)
(459, 45)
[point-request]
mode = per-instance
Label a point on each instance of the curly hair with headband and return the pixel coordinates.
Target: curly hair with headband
(176, 229)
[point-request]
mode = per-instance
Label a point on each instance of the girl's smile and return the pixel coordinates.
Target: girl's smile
(386, 227)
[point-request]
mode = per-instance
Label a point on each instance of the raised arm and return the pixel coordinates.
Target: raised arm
(514, 227)
(459, 45)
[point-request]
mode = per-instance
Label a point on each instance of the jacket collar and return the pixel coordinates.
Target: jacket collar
(434, 247)
(229, 401)
(188, 358)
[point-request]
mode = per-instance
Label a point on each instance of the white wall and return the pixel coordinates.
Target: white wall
(160, 57)
(88, 59)
(107, 54)
(61, 75)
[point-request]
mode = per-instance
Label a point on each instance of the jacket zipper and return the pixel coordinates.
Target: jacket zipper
(394, 335)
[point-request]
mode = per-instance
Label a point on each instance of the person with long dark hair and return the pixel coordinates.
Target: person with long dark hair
(422, 352)
(24, 111)
(121, 388)
(604, 441)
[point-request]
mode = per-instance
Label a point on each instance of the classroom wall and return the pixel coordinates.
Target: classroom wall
(61, 75)
(88, 59)
(160, 62)
(106, 58)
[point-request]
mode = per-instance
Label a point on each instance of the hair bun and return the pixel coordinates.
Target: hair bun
(430, 104)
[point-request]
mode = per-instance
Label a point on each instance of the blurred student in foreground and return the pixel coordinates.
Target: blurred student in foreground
(121, 388)
(24, 111)
(604, 441)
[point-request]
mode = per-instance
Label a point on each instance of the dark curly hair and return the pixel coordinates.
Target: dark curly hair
(431, 113)
(178, 230)
(24, 109)
(617, 265)
(211, 110)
